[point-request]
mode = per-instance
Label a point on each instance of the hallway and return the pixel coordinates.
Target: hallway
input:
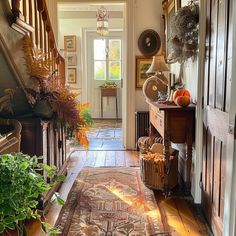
(178, 214)
(104, 135)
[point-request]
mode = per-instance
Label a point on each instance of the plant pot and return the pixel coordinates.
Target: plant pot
(43, 109)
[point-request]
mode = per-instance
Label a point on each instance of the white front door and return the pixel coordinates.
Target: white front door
(104, 65)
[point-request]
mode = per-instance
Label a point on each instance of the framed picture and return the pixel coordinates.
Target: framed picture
(142, 65)
(71, 79)
(149, 42)
(72, 60)
(70, 43)
(170, 7)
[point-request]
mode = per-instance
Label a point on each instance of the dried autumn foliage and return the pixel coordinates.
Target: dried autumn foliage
(5, 101)
(67, 109)
(38, 62)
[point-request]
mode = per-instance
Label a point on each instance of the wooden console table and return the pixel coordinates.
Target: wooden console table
(109, 92)
(174, 124)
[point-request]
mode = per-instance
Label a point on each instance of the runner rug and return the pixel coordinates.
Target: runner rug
(110, 202)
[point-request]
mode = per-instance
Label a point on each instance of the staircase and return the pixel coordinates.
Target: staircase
(18, 19)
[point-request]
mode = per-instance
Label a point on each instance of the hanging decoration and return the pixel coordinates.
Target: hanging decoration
(102, 21)
(184, 38)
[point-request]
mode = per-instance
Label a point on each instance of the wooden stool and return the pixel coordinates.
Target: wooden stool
(109, 92)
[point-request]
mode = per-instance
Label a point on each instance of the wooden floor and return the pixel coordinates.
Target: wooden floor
(179, 215)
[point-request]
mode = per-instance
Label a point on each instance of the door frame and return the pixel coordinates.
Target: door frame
(87, 35)
(196, 192)
(229, 227)
(128, 91)
(230, 187)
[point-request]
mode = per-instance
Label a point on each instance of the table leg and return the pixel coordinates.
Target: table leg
(188, 166)
(101, 107)
(116, 108)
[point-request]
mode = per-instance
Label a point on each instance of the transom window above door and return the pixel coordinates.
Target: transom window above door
(107, 59)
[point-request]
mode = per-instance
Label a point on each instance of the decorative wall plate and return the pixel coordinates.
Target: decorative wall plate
(149, 42)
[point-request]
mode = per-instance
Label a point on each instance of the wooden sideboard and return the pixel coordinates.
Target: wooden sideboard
(174, 124)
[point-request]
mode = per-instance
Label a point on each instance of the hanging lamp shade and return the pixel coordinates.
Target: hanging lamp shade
(102, 21)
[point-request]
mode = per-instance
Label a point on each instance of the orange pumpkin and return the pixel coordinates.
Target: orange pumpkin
(181, 92)
(182, 101)
(181, 97)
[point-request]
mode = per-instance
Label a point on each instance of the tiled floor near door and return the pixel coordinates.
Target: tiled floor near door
(104, 135)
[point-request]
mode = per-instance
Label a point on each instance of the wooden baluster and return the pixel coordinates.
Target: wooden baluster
(47, 47)
(44, 17)
(41, 30)
(30, 13)
(36, 23)
(24, 9)
(62, 70)
(33, 19)
(45, 39)
(16, 7)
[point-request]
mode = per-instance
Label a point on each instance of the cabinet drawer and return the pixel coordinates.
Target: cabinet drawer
(157, 120)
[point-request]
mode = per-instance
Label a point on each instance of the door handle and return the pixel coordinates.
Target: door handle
(121, 83)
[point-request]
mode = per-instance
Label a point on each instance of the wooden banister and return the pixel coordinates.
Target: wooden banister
(31, 17)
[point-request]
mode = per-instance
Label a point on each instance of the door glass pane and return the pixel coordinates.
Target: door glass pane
(114, 49)
(100, 70)
(114, 70)
(99, 46)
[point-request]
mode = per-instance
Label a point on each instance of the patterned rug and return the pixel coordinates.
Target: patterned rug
(110, 202)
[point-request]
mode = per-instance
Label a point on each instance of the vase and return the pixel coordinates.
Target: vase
(43, 109)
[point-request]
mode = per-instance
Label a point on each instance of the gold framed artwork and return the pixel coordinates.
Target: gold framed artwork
(142, 65)
(70, 43)
(72, 60)
(72, 76)
(170, 7)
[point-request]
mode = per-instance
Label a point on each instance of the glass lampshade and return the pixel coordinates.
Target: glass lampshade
(102, 21)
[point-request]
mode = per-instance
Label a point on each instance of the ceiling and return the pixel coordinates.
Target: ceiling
(89, 7)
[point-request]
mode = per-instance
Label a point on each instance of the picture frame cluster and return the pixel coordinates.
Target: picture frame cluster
(70, 46)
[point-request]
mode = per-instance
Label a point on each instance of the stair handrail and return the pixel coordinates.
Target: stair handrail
(31, 17)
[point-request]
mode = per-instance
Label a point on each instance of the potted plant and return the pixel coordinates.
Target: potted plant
(21, 187)
(51, 101)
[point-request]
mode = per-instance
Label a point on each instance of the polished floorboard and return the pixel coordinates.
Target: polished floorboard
(179, 214)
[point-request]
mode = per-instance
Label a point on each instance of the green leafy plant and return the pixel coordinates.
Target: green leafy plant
(21, 187)
(109, 84)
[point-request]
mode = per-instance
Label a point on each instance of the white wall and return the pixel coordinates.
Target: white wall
(75, 26)
(148, 15)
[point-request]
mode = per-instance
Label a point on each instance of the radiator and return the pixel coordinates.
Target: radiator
(141, 124)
